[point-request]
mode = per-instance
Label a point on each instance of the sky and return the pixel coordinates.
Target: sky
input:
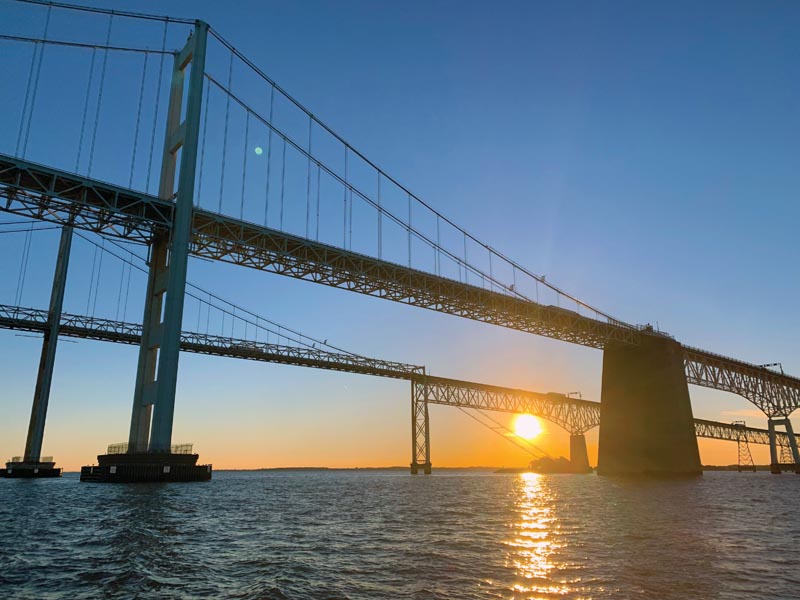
(641, 156)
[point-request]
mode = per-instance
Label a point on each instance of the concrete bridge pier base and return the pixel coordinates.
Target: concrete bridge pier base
(646, 421)
(578, 455)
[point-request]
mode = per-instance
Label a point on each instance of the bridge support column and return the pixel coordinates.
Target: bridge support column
(420, 430)
(157, 373)
(578, 455)
(32, 465)
(646, 421)
(776, 464)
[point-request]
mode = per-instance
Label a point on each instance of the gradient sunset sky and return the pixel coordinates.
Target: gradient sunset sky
(642, 156)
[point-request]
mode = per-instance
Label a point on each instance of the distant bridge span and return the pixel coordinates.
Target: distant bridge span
(576, 416)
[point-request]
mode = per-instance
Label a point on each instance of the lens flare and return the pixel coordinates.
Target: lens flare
(259, 150)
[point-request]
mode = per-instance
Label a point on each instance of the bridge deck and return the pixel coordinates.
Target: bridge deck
(574, 415)
(50, 194)
(44, 193)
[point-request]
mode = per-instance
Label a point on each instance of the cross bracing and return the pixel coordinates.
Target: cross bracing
(48, 194)
(572, 414)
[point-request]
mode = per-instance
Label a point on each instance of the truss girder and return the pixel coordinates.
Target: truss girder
(576, 416)
(52, 195)
(49, 194)
(29, 319)
(735, 433)
(775, 394)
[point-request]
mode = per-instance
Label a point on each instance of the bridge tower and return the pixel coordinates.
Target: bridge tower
(646, 421)
(420, 429)
(149, 456)
(32, 463)
(777, 464)
(744, 461)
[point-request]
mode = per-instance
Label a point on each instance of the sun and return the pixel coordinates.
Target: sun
(527, 426)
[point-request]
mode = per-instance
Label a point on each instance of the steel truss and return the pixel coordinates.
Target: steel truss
(574, 415)
(52, 195)
(48, 194)
(774, 393)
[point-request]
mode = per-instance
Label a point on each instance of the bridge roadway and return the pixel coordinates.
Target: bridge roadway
(49, 194)
(574, 415)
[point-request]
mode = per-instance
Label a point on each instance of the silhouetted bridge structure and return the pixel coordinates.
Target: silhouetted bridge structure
(412, 253)
(577, 416)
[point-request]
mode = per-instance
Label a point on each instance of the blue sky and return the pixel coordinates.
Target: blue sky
(642, 156)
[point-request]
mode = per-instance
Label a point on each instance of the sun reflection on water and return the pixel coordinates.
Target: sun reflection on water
(534, 539)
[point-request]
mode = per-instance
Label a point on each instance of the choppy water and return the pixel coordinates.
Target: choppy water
(385, 534)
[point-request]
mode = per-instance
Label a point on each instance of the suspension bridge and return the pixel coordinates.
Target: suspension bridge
(184, 102)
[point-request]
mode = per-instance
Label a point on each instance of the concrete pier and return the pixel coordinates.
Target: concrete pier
(578, 455)
(32, 465)
(646, 421)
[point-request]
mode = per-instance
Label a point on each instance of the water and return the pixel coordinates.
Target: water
(385, 534)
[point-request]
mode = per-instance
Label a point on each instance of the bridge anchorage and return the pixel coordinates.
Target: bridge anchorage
(645, 417)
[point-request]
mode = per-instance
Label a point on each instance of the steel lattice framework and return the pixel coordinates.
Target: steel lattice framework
(774, 393)
(48, 194)
(574, 415)
(735, 433)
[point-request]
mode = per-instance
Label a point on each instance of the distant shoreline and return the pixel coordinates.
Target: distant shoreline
(404, 468)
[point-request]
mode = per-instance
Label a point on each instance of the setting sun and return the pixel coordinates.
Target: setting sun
(527, 426)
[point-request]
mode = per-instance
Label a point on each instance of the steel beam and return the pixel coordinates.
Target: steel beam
(44, 378)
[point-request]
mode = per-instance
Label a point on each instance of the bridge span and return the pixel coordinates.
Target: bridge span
(577, 416)
(645, 372)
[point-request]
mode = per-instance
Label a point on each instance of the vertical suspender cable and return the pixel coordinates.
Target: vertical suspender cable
(244, 163)
(438, 246)
(158, 104)
(408, 230)
(283, 181)
(127, 293)
(308, 179)
(99, 272)
(319, 172)
(225, 133)
(380, 219)
(91, 280)
(34, 54)
(344, 209)
(36, 83)
(138, 119)
(23, 267)
(466, 274)
(85, 108)
(100, 94)
(350, 218)
(119, 293)
(269, 152)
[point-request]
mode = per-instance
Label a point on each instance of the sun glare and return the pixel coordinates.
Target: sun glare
(527, 426)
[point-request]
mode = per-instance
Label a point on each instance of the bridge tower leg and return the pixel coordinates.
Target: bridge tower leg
(32, 465)
(149, 454)
(578, 455)
(777, 463)
(420, 430)
(646, 421)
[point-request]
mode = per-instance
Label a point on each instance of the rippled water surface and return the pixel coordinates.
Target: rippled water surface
(386, 534)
